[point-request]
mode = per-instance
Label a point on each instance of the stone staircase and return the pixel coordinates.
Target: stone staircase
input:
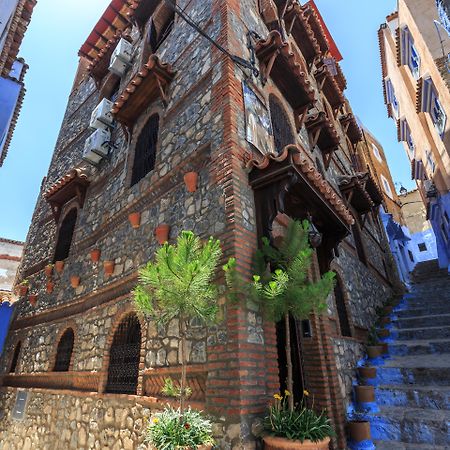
(413, 385)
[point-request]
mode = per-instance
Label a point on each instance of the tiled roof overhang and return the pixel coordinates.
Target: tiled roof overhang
(297, 24)
(16, 33)
(353, 187)
(372, 188)
(146, 86)
(340, 77)
(316, 193)
(15, 117)
(114, 19)
(329, 86)
(323, 132)
(351, 128)
(287, 70)
(72, 185)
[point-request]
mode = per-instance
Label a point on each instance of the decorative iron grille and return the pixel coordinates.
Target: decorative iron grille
(15, 358)
(282, 131)
(342, 309)
(124, 357)
(145, 153)
(65, 235)
(64, 351)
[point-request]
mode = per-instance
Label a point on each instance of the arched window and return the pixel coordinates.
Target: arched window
(15, 358)
(124, 355)
(145, 153)
(282, 130)
(64, 351)
(65, 235)
(341, 309)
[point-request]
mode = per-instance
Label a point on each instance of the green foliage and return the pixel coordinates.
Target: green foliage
(179, 283)
(372, 338)
(172, 430)
(299, 424)
(24, 282)
(287, 289)
(171, 389)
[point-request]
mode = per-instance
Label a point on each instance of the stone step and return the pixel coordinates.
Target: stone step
(417, 312)
(428, 302)
(441, 332)
(411, 425)
(413, 376)
(423, 321)
(412, 396)
(419, 347)
(391, 445)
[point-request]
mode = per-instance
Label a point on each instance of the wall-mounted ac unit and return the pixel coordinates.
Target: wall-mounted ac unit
(121, 58)
(97, 146)
(430, 188)
(101, 117)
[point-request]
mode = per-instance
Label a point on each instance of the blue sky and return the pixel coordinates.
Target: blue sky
(50, 48)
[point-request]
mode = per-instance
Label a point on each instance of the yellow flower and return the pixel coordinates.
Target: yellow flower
(287, 393)
(155, 420)
(306, 393)
(277, 397)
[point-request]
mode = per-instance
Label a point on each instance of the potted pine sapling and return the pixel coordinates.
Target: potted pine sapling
(284, 290)
(178, 284)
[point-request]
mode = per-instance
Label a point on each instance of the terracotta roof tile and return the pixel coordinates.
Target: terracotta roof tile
(63, 181)
(313, 175)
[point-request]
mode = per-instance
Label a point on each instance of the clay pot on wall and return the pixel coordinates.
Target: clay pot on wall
(95, 255)
(135, 219)
(49, 287)
(48, 270)
(32, 298)
(373, 351)
(74, 281)
(365, 372)
(387, 309)
(23, 289)
(277, 443)
(108, 267)
(385, 347)
(385, 320)
(59, 266)
(191, 180)
(384, 333)
(364, 394)
(359, 431)
(162, 233)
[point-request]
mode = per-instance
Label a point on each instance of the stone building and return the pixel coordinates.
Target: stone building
(15, 15)
(257, 110)
(10, 255)
(414, 50)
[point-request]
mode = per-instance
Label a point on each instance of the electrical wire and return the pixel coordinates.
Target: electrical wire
(236, 59)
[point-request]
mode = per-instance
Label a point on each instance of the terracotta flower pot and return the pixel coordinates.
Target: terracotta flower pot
(364, 394)
(385, 347)
(49, 287)
(191, 180)
(162, 233)
(373, 351)
(74, 281)
(385, 320)
(48, 270)
(108, 267)
(278, 443)
(32, 298)
(135, 219)
(367, 372)
(384, 333)
(95, 255)
(387, 309)
(59, 266)
(359, 431)
(23, 289)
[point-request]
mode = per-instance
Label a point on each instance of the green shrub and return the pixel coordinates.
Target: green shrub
(171, 429)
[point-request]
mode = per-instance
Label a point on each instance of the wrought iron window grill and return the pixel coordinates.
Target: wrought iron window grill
(124, 355)
(64, 351)
(282, 132)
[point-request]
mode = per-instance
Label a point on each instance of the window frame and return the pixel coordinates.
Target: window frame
(70, 207)
(58, 360)
(391, 97)
(386, 186)
(376, 152)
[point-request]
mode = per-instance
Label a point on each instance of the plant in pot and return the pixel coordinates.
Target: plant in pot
(283, 289)
(359, 430)
(373, 348)
(178, 285)
(49, 270)
(23, 287)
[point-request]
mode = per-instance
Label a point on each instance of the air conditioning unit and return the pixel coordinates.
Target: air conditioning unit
(121, 58)
(97, 146)
(101, 117)
(430, 188)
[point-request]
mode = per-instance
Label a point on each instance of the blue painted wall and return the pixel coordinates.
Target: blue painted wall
(439, 212)
(6, 311)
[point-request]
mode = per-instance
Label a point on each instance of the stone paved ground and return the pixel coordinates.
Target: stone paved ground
(413, 390)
